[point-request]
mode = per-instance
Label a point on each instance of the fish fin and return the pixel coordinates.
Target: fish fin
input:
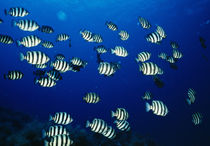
(112, 51)
(115, 122)
(22, 57)
(5, 76)
(87, 124)
(50, 118)
(18, 43)
(112, 114)
(147, 107)
(51, 64)
(46, 143)
(14, 23)
(5, 12)
(137, 60)
(188, 101)
(44, 133)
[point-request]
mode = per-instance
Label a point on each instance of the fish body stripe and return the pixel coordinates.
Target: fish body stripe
(56, 130)
(147, 95)
(174, 45)
(110, 133)
(161, 32)
(27, 25)
(63, 37)
(159, 108)
(46, 82)
(143, 56)
(106, 68)
(62, 118)
(154, 37)
(18, 12)
(47, 44)
(60, 140)
(98, 126)
(87, 35)
(111, 26)
(144, 23)
(149, 68)
(123, 35)
(30, 41)
(196, 118)
(177, 54)
(36, 57)
(97, 38)
(14, 75)
(46, 29)
(163, 56)
(61, 65)
(123, 125)
(92, 97)
(120, 51)
(77, 61)
(6, 39)
(101, 49)
(55, 75)
(121, 114)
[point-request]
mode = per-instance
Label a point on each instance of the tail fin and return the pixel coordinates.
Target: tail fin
(147, 107)
(18, 43)
(44, 133)
(112, 51)
(87, 124)
(14, 23)
(50, 118)
(46, 143)
(5, 76)
(5, 11)
(188, 101)
(112, 114)
(115, 122)
(22, 57)
(51, 64)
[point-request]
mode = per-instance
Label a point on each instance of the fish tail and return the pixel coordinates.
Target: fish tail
(112, 51)
(46, 143)
(5, 11)
(50, 118)
(137, 60)
(147, 107)
(5, 76)
(188, 101)
(87, 124)
(112, 114)
(18, 43)
(14, 23)
(44, 133)
(22, 57)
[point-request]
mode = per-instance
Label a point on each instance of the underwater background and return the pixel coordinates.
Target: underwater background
(183, 22)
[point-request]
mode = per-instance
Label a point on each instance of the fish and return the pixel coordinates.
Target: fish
(119, 51)
(54, 74)
(170, 59)
(154, 37)
(147, 95)
(59, 57)
(6, 39)
(62, 118)
(97, 38)
(1, 21)
(150, 68)
(26, 25)
(120, 114)
(191, 96)
(45, 82)
(61, 66)
(158, 108)
(16, 12)
(197, 118)
(177, 54)
(97, 126)
(107, 69)
(46, 29)
(87, 35)
(109, 133)
(123, 35)
(161, 32)
(54, 131)
(29, 41)
(35, 57)
(122, 125)
(62, 37)
(174, 45)
(163, 56)
(47, 44)
(143, 56)
(158, 82)
(59, 140)
(78, 62)
(202, 41)
(100, 49)
(110, 25)
(144, 22)
(14, 75)
(91, 97)
(41, 66)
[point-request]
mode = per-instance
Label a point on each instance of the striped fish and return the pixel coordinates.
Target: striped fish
(154, 37)
(163, 56)
(147, 95)
(41, 66)
(62, 118)
(97, 125)
(119, 51)
(143, 56)
(54, 131)
(54, 74)
(91, 97)
(26, 25)
(17, 12)
(45, 82)
(111, 26)
(61, 66)
(35, 57)
(161, 32)
(150, 68)
(6, 39)
(123, 35)
(78, 62)
(59, 57)
(170, 59)
(87, 35)
(62, 37)
(97, 38)
(47, 44)
(177, 54)
(158, 108)
(46, 29)
(144, 22)
(1, 21)
(122, 125)
(14, 75)
(100, 49)
(191, 96)
(174, 45)
(120, 114)
(109, 133)
(29, 41)
(197, 118)
(107, 69)
(59, 140)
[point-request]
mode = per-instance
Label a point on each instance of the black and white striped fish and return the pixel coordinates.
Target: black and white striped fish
(6, 39)
(17, 12)
(174, 45)
(78, 62)
(109, 133)
(154, 37)
(147, 95)
(61, 66)
(143, 56)
(45, 82)
(41, 66)
(14, 75)
(150, 68)
(62, 37)
(97, 38)
(91, 97)
(87, 35)
(1, 21)
(54, 74)
(26, 25)
(123, 35)
(144, 22)
(29, 41)
(197, 118)
(46, 29)
(97, 125)
(47, 44)
(119, 51)
(107, 69)
(62, 118)
(59, 140)
(191, 96)
(163, 56)
(170, 59)
(120, 114)
(59, 57)
(111, 26)
(158, 108)
(35, 57)
(100, 49)
(54, 131)
(177, 54)
(122, 125)
(161, 32)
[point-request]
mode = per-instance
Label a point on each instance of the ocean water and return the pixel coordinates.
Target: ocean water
(183, 21)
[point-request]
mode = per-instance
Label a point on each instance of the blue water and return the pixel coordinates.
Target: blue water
(182, 20)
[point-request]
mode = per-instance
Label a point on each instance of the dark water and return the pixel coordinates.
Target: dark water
(183, 22)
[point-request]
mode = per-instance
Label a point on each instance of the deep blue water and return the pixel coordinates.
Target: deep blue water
(182, 21)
